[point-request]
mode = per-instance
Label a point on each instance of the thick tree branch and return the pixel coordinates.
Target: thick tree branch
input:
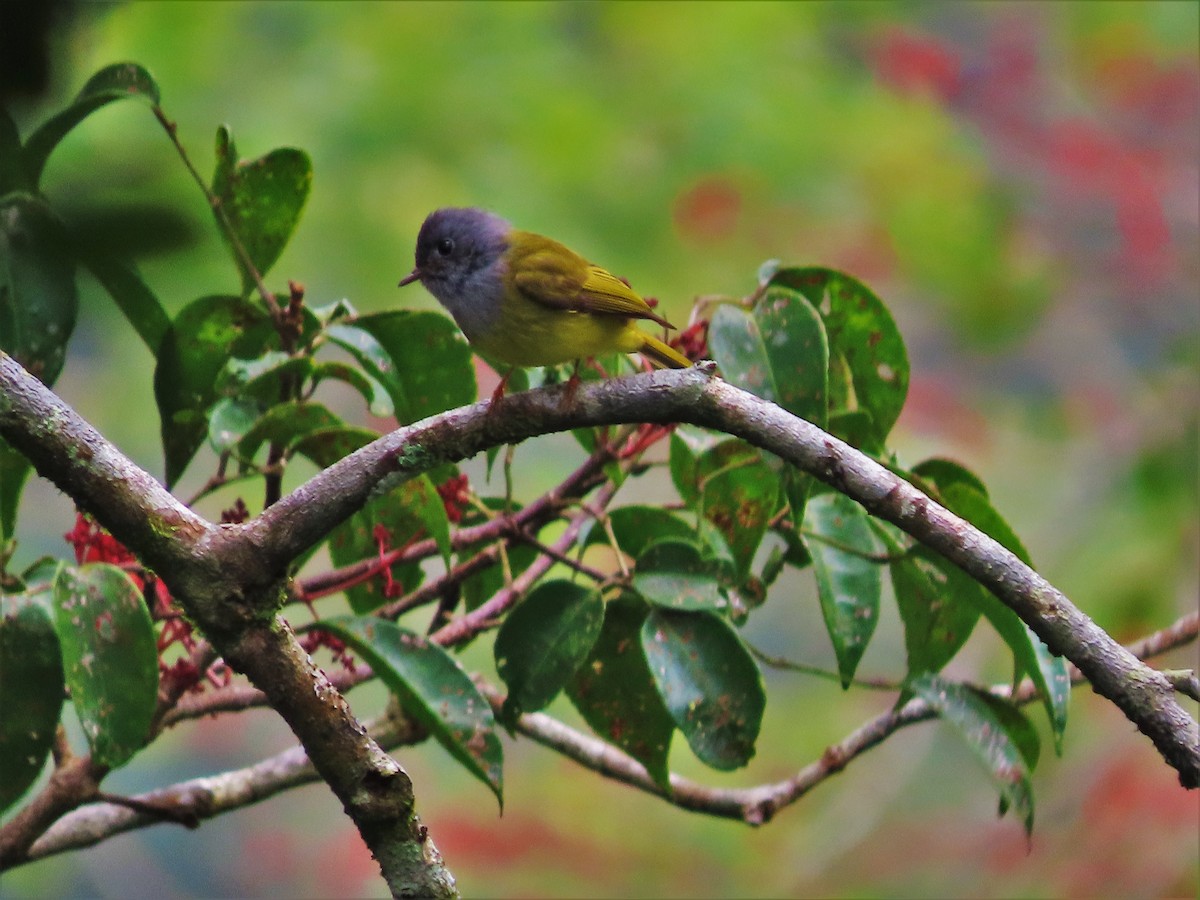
(237, 571)
(197, 799)
(215, 573)
(70, 453)
(1146, 697)
(75, 780)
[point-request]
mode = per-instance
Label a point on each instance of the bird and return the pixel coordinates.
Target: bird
(525, 300)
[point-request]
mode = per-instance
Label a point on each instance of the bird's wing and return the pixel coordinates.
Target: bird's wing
(551, 274)
(604, 292)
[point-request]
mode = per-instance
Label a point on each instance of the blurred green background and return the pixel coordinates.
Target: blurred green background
(1017, 181)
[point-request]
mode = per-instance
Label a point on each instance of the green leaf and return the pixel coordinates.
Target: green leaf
(964, 493)
(229, 421)
(848, 580)
(262, 199)
(733, 487)
(205, 334)
(31, 693)
(38, 297)
(998, 734)
(409, 512)
(945, 472)
(333, 312)
(425, 363)
(688, 444)
(636, 527)
(288, 423)
(325, 446)
(109, 657)
(1049, 673)
(379, 402)
(1053, 680)
(133, 297)
(615, 693)
(251, 376)
(432, 687)
(543, 641)
(674, 574)
(972, 505)
(857, 428)
(14, 470)
(862, 334)
(739, 494)
(116, 82)
(779, 352)
(708, 682)
(937, 620)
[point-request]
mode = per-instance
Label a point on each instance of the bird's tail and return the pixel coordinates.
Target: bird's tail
(661, 355)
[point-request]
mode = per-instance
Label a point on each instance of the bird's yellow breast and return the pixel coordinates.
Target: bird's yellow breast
(528, 333)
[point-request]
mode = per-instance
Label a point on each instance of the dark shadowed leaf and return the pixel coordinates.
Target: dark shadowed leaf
(543, 641)
(937, 620)
(12, 170)
(676, 574)
(708, 682)
(205, 334)
(38, 307)
(1049, 672)
(614, 691)
(38, 297)
(409, 512)
(733, 487)
(14, 470)
(31, 692)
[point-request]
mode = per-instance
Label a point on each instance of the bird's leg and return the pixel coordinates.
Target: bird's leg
(499, 391)
(573, 383)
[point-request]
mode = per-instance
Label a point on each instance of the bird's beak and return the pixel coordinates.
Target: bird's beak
(412, 276)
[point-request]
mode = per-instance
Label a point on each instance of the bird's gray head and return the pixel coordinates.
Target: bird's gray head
(459, 257)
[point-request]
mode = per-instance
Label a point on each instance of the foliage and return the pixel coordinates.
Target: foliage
(645, 647)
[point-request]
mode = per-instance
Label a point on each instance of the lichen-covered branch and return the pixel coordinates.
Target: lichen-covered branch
(231, 578)
(221, 582)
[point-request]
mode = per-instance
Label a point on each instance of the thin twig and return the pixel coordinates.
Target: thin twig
(209, 797)
(779, 662)
(484, 616)
(222, 217)
(592, 573)
(199, 799)
(757, 805)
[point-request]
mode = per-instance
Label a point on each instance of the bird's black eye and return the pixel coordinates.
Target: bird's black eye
(445, 247)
